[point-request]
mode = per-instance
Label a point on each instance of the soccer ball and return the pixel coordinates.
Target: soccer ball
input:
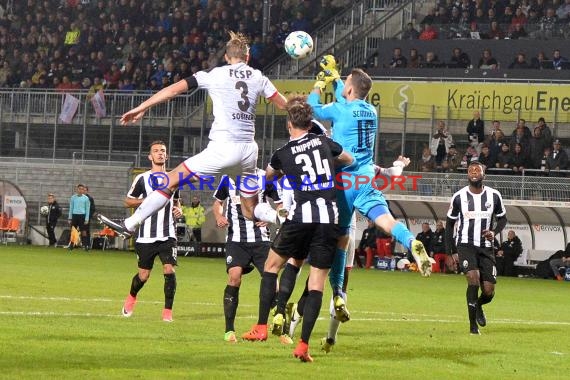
(44, 210)
(298, 44)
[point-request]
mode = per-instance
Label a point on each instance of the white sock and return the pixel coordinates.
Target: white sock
(295, 319)
(265, 213)
(334, 325)
(154, 202)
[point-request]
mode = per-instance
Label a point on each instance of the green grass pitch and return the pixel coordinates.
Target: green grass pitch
(60, 318)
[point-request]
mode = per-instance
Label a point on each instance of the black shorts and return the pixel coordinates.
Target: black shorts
(298, 240)
(78, 220)
(477, 258)
(244, 254)
(146, 252)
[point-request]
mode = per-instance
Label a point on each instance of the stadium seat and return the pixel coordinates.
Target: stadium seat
(11, 230)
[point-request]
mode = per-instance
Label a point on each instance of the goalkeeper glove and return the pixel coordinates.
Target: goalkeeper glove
(321, 82)
(328, 64)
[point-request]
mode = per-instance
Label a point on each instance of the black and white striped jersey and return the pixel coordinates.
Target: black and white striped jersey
(160, 226)
(240, 229)
(308, 164)
(475, 213)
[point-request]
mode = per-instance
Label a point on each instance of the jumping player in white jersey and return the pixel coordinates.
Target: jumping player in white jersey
(232, 150)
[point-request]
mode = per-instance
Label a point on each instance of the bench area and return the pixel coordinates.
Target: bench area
(530, 257)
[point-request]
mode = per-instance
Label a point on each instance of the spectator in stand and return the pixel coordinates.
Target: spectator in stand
(470, 156)
(452, 160)
(429, 32)
(507, 17)
(520, 62)
(544, 159)
(558, 158)
(410, 33)
(541, 62)
(486, 158)
(522, 124)
(520, 159)
(415, 59)
(548, 25)
(481, 17)
(558, 60)
(518, 31)
(430, 17)
(507, 254)
(519, 137)
(301, 22)
(545, 130)
(476, 131)
(520, 18)
(441, 17)
(487, 61)
(495, 32)
(537, 144)
(440, 143)
(431, 61)
(563, 11)
(427, 161)
(437, 248)
(398, 60)
(505, 158)
(425, 236)
(495, 126)
(459, 59)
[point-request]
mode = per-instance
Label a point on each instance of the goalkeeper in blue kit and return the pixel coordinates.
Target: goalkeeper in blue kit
(355, 126)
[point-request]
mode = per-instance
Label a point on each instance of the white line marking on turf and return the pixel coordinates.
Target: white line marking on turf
(396, 317)
(73, 299)
(52, 314)
(557, 353)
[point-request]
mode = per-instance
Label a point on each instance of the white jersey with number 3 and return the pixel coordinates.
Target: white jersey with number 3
(234, 90)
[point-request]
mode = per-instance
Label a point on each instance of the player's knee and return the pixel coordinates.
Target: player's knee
(144, 275)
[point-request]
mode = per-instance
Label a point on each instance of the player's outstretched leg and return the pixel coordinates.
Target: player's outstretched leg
(118, 227)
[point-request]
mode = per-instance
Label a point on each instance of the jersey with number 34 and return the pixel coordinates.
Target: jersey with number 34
(234, 90)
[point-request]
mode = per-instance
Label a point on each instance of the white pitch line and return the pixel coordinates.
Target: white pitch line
(72, 299)
(53, 314)
(396, 317)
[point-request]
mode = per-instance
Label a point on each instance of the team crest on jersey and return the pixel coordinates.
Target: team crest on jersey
(465, 264)
(487, 205)
(229, 260)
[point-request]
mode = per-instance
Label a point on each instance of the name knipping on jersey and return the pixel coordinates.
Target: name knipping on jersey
(308, 145)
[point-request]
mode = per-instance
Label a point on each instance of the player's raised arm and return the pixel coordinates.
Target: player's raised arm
(163, 95)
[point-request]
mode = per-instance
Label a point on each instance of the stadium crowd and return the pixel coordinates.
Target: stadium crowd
(489, 19)
(501, 152)
(137, 44)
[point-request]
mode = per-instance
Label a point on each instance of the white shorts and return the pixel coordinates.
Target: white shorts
(229, 158)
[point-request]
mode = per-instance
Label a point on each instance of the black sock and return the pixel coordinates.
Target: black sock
(472, 294)
(266, 296)
(484, 298)
(231, 300)
(136, 285)
(286, 286)
(311, 313)
(303, 299)
(169, 289)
